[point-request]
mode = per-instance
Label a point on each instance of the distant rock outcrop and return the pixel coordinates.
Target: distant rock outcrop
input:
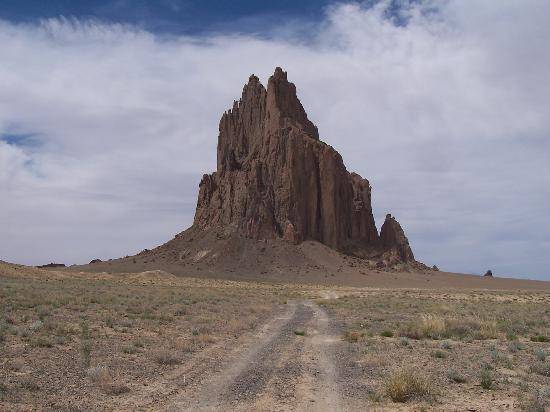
(52, 265)
(276, 179)
(489, 273)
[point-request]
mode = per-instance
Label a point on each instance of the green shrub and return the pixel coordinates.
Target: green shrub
(86, 352)
(486, 378)
(386, 333)
(41, 342)
(540, 338)
(514, 346)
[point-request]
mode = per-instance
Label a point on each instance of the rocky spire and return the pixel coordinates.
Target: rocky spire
(276, 179)
(284, 108)
(393, 238)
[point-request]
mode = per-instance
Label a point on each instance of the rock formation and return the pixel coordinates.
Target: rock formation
(394, 240)
(489, 274)
(276, 179)
(52, 265)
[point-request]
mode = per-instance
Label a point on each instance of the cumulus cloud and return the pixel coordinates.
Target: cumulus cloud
(442, 106)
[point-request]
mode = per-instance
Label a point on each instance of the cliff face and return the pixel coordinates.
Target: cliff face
(276, 179)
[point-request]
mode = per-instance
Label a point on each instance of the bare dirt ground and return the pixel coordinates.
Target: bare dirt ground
(153, 341)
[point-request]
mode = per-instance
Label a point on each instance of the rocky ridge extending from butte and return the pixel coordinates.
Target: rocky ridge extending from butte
(276, 179)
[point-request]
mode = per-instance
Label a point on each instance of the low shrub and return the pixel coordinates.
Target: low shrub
(165, 357)
(438, 327)
(542, 368)
(456, 377)
(540, 354)
(486, 378)
(408, 384)
(439, 354)
(41, 342)
(86, 352)
(29, 384)
(352, 336)
(129, 349)
(446, 345)
(101, 376)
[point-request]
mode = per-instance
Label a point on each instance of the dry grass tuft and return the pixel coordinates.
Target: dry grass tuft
(166, 357)
(352, 336)
(101, 376)
(443, 327)
(408, 384)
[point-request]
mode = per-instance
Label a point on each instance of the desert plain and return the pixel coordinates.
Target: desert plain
(73, 340)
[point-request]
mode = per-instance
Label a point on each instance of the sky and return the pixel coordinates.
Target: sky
(109, 116)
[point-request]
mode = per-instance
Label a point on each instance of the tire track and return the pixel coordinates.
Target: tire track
(276, 370)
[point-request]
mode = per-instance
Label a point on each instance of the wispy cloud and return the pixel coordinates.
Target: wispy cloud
(447, 115)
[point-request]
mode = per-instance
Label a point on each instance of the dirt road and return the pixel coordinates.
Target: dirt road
(289, 364)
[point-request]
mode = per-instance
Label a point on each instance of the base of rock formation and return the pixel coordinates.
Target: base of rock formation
(230, 255)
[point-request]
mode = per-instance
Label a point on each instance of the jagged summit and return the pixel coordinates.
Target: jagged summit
(276, 179)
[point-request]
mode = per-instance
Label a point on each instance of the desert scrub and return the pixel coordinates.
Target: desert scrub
(486, 378)
(541, 368)
(408, 384)
(138, 343)
(456, 377)
(85, 344)
(537, 401)
(514, 346)
(29, 384)
(3, 330)
(386, 333)
(540, 354)
(540, 338)
(352, 336)
(129, 349)
(86, 352)
(439, 354)
(300, 332)
(40, 342)
(446, 345)
(101, 376)
(166, 357)
(434, 326)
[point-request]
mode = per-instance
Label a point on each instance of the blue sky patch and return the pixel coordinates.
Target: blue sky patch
(28, 140)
